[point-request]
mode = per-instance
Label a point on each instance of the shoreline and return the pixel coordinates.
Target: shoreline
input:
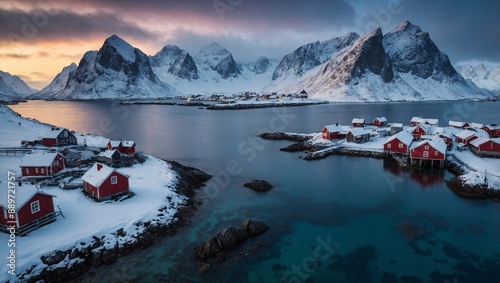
(84, 257)
(315, 152)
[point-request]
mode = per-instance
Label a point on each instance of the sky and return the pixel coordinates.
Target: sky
(40, 37)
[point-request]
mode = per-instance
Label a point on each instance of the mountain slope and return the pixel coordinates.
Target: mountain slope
(214, 57)
(58, 83)
(175, 61)
(117, 70)
(485, 79)
(13, 88)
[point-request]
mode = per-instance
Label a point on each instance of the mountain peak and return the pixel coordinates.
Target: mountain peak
(213, 48)
(408, 27)
(121, 46)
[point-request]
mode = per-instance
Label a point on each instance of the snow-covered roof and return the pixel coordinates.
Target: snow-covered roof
(493, 127)
(38, 159)
(435, 142)
(22, 195)
(456, 124)
(115, 143)
(358, 120)
(425, 120)
(334, 128)
(403, 136)
(397, 125)
(424, 127)
(108, 153)
(479, 141)
(357, 132)
(128, 143)
(416, 119)
(96, 176)
(475, 125)
(52, 133)
(381, 119)
(465, 134)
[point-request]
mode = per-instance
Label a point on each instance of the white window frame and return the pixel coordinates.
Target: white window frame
(114, 180)
(35, 206)
(388, 145)
(436, 152)
(42, 170)
(27, 170)
(400, 145)
(36, 170)
(426, 154)
(426, 147)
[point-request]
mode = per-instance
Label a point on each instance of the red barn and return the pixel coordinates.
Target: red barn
(102, 182)
(433, 149)
(420, 130)
(58, 137)
(380, 121)
(42, 164)
(34, 208)
(114, 145)
(399, 143)
(331, 132)
(465, 136)
(493, 130)
(485, 146)
(358, 122)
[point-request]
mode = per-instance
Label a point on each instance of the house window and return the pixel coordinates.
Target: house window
(42, 170)
(400, 145)
(36, 170)
(57, 163)
(388, 145)
(114, 180)
(35, 207)
(435, 153)
(426, 147)
(27, 170)
(426, 154)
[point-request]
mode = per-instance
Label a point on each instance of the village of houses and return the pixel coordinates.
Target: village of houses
(70, 188)
(423, 143)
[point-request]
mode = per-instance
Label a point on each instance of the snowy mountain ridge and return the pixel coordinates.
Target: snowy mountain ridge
(485, 79)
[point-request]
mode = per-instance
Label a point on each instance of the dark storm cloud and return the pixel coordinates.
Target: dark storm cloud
(43, 25)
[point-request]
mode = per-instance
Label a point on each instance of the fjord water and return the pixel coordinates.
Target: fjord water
(340, 219)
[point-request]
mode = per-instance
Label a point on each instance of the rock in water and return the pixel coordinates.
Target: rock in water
(259, 186)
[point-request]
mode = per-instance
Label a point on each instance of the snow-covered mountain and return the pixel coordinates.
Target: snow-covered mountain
(485, 79)
(405, 64)
(117, 70)
(13, 88)
(58, 83)
(174, 61)
(311, 55)
(213, 70)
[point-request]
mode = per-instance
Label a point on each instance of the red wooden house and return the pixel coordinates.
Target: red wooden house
(125, 147)
(419, 120)
(465, 136)
(34, 208)
(58, 137)
(102, 182)
(42, 164)
(493, 130)
(399, 143)
(358, 122)
(446, 137)
(486, 147)
(380, 121)
(433, 150)
(458, 124)
(420, 130)
(331, 132)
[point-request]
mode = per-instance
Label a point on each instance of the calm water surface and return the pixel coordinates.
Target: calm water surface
(341, 219)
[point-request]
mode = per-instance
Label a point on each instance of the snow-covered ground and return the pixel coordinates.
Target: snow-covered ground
(262, 102)
(151, 183)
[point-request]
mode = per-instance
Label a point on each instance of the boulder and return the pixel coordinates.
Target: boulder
(259, 186)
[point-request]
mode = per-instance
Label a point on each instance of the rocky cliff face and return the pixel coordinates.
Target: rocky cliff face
(175, 61)
(218, 59)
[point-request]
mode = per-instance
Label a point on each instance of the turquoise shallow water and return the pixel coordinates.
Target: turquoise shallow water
(341, 219)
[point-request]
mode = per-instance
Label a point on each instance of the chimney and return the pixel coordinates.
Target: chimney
(99, 166)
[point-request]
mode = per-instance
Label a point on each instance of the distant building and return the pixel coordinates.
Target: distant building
(125, 147)
(380, 121)
(420, 130)
(331, 132)
(485, 147)
(396, 128)
(58, 137)
(465, 136)
(358, 122)
(419, 120)
(493, 130)
(457, 124)
(109, 156)
(429, 150)
(358, 135)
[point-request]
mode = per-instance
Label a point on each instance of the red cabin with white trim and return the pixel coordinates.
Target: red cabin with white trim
(380, 121)
(358, 122)
(331, 132)
(493, 130)
(433, 149)
(485, 146)
(42, 164)
(102, 182)
(465, 136)
(399, 143)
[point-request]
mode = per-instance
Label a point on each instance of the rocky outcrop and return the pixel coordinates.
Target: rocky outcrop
(215, 248)
(284, 136)
(259, 185)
